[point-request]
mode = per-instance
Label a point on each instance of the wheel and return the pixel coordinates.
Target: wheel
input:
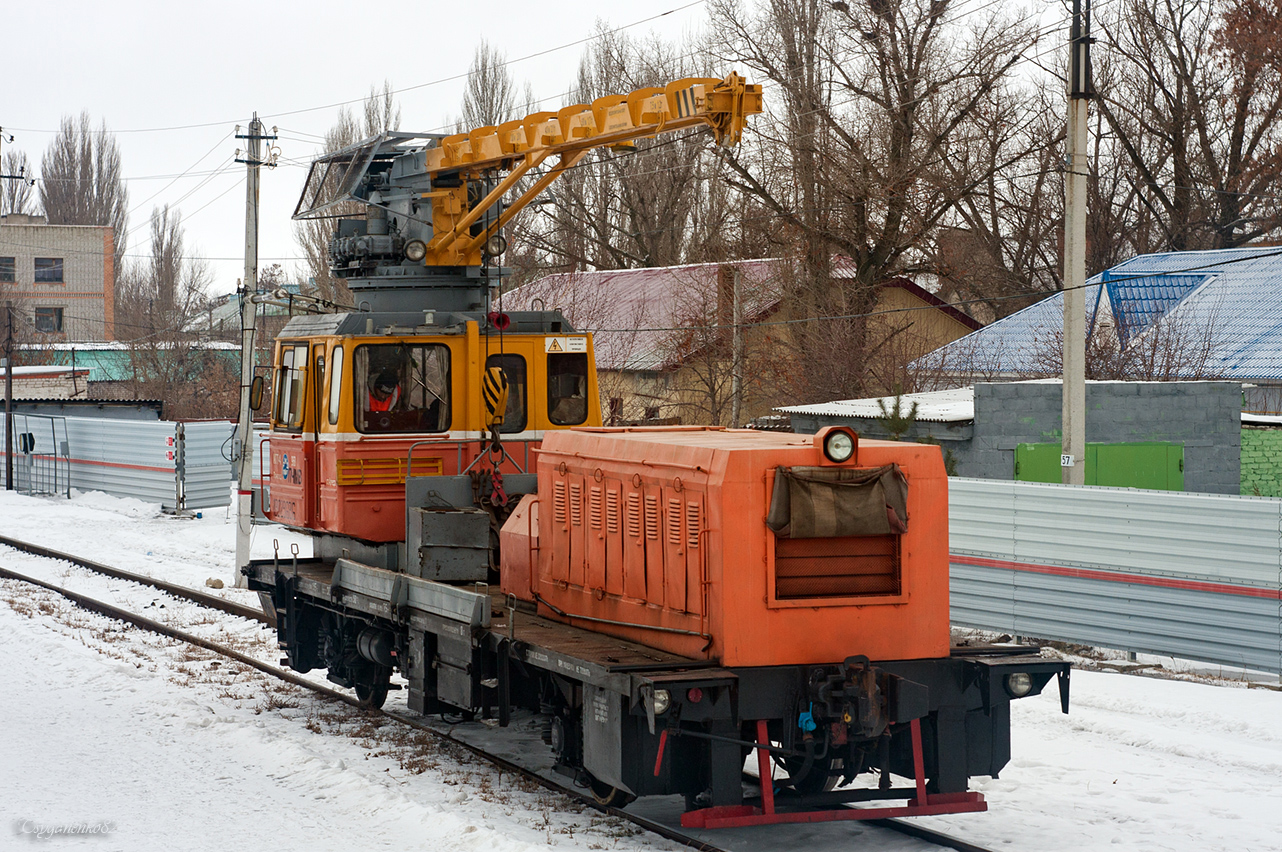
(818, 779)
(371, 695)
(608, 796)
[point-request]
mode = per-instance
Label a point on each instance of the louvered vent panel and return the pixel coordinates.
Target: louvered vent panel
(693, 522)
(652, 518)
(612, 512)
(837, 567)
(674, 521)
(576, 504)
(558, 502)
(634, 515)
(594, 507)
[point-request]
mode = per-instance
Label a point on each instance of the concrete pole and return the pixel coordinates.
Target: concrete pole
(1073, 459)
(244, 426)
(8, 398)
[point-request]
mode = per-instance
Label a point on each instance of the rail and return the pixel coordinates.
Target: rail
(688, 839)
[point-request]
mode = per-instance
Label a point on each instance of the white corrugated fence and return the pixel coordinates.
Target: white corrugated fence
(1197, 576)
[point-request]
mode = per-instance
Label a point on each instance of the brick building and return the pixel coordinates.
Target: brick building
(60, 277)
(47, 383)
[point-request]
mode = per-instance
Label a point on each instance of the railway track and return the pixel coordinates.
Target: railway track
(253, 614)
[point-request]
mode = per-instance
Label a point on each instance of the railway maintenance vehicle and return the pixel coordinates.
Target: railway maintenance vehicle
(668, 600)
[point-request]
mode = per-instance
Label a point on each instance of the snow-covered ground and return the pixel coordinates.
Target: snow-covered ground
(155, 745)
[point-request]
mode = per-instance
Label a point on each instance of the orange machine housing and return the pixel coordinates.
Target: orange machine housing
(659, 536)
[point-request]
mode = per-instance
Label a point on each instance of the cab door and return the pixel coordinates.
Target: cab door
(292, 448)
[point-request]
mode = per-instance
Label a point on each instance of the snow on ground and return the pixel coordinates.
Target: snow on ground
(168, 747)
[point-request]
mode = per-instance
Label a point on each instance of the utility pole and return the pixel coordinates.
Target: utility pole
(8, 398)
(244, 428)
(22, 175)
(736, 377)
(1080, 90)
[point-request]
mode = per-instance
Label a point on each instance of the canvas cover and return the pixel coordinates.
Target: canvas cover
(829, 502)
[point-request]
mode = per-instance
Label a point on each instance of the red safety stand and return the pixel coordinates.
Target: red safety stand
(923, 804)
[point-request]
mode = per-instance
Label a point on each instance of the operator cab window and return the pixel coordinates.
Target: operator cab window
(514, 418)
(402, 388)
(568, 388)
(290, 378)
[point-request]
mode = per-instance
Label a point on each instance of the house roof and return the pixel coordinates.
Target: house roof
(44, 372)
(1231, 296)
(946, 406)
(956, 405)
(638, 315)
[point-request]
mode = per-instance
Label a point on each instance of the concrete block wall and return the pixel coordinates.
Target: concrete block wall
(1203, 416)
(1261, 461)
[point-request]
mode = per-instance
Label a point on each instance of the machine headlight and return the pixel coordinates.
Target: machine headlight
(662, 701)
(1019, 684)
(839, 446)
(415, 250)
(496, 245)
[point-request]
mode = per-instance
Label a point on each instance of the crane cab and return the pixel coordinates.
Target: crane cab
(361, 401)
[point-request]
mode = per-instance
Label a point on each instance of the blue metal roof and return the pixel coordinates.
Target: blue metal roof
(1231, 299)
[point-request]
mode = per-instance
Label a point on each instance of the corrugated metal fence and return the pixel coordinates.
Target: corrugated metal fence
(1197, 576)
(181, 466)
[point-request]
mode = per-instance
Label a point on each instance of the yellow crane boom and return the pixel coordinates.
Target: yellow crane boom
(443, 166)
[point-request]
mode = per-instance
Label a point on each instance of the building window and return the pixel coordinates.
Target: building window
(48, 270)
(8, 270)
(49, 320)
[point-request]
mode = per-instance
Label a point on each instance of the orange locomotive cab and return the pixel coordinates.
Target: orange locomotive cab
(364, 402)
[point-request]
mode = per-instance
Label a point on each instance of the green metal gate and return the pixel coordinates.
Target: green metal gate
(1157, 465)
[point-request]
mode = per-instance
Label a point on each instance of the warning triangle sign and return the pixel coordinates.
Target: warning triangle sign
(554, 345)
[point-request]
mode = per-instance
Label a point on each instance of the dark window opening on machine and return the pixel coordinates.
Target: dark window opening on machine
(515, 417)
(568, 388)
(402, 388)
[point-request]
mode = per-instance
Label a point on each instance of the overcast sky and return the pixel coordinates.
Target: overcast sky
(172, 80)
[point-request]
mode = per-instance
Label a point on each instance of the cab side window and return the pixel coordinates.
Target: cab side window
(515, 418)
(568, 388)
(335, 385)
(291, 378)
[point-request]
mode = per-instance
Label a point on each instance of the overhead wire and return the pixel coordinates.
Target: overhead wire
(402, 90)
(888, 311)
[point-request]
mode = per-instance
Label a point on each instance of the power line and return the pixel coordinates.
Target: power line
(888, 311)
(436, 82)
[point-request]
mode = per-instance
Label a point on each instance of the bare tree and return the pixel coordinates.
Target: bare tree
(15, 192)
(81, 182)
(160, 298)
(379, 113)
(874, 100)
(1191, 93)
(490, 96)
(1004, 254)
(162, 294)
(658, 203)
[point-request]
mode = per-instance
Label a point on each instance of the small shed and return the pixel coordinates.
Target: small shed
(1183, 436)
